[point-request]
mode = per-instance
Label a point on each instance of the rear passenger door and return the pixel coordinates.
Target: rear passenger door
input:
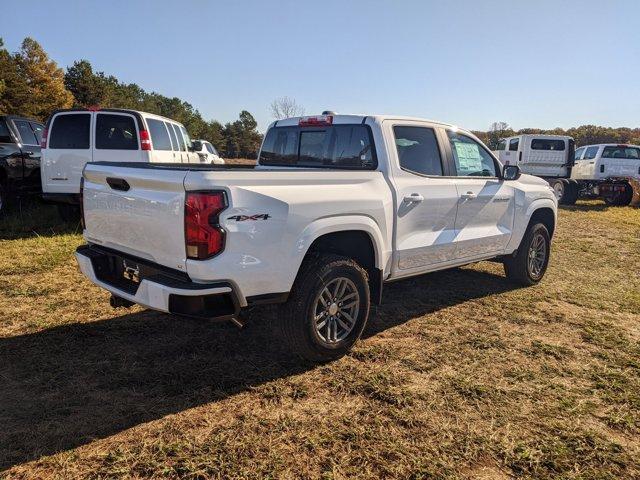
(116, 138)
(30, 134)
(427, 198)
(486, 203)
(160, 141)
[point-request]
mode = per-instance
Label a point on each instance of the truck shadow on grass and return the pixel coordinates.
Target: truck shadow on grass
(32, 218)
(64, 387)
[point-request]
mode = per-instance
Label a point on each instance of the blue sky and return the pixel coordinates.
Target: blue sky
(532, 64)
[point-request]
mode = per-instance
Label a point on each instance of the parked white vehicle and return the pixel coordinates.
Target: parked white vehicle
(337, 206)
(207, 152)
(77, 136)
(550, 157)
(606, 170)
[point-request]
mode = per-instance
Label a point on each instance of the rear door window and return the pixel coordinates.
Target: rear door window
(27, 137)
(174, 139)
(543, 144)
(418, 150)
(337, 146)
(70, 131)
(116, 132)
(159, 134)
(591, 152)
(627, 153)
(37, 128)
(5, 135)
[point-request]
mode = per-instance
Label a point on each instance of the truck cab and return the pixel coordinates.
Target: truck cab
(19, 157)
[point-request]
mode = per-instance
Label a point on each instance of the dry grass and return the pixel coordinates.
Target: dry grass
(459, 376)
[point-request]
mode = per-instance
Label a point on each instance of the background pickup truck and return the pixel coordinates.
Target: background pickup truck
(337, 205)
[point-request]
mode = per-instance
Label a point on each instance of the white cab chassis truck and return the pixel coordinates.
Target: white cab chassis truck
(336, 206)
(610, 171)
(550, 157)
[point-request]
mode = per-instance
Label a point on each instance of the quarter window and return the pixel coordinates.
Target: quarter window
(27, 137)
(116, 132)
(591, 152)
(418, 150)
(471, 158)
(70, 131)
(513, 144)
(159, 134)
(174, 139)
(176, 129)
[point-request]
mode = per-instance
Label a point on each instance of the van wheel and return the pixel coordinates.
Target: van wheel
(530, 263)
(559, 187)
(69, 213)
(620, 199)
(570, 193)
(327, 309)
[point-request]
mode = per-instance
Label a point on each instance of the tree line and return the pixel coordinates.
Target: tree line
(33, 85)
(583, 135)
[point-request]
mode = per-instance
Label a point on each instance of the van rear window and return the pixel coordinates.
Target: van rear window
(70, 131)
(629, 153)
(543, 144)
(336, 146)
(116, 132)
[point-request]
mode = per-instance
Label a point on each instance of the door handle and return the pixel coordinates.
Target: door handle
(469, 196)
(413, 198)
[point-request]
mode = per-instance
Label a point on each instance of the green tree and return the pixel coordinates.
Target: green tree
(88, 88)
(45, 80)
(14, 89)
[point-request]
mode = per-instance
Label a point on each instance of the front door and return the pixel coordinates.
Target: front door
(486, 203)
(426, 201)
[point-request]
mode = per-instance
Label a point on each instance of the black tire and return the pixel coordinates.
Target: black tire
(69, 213)
(519, 268)
(299, 326)
(571, 193)
(559, 186)
(620, 199)
(3, 201)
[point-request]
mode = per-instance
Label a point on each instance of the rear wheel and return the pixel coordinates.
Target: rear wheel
(327, 309)
(620, 199)
(571, 193)
(530, 263)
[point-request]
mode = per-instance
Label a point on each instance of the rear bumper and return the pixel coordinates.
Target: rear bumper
(158, 287)
(68, 198)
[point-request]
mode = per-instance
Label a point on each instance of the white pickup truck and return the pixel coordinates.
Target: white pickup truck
(337, 206)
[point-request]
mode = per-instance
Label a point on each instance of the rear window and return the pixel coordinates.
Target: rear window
(70, 131)
(5, 135)
(159, 135)
(27, 137)
(116, 132)
(542, 144)
(337, 146)
(629, 153)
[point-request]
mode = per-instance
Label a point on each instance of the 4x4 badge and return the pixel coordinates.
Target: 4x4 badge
(244, 218)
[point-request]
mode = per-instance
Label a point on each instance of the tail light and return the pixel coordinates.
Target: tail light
(43, 140)
(145, 141)
(82, 202)
(318, 121)
(204, 237)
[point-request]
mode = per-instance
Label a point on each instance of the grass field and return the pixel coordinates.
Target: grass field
(459, 375)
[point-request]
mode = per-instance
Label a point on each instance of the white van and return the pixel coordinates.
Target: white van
(77, 136)
(546, 156)
(207, 152)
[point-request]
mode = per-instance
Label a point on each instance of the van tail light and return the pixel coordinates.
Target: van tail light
(43, 140)
(317, 121)
(204, 237)
(145, 140)
(82, 203)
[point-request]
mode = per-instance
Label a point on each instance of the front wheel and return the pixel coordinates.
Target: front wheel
(327, 309)
(530, 263)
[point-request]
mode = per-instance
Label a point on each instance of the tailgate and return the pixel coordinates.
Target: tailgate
(139, 211)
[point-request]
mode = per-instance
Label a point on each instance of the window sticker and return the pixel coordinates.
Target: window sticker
(469, 158)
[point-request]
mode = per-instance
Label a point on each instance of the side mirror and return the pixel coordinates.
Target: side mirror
(511, 172)
(196, 145)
